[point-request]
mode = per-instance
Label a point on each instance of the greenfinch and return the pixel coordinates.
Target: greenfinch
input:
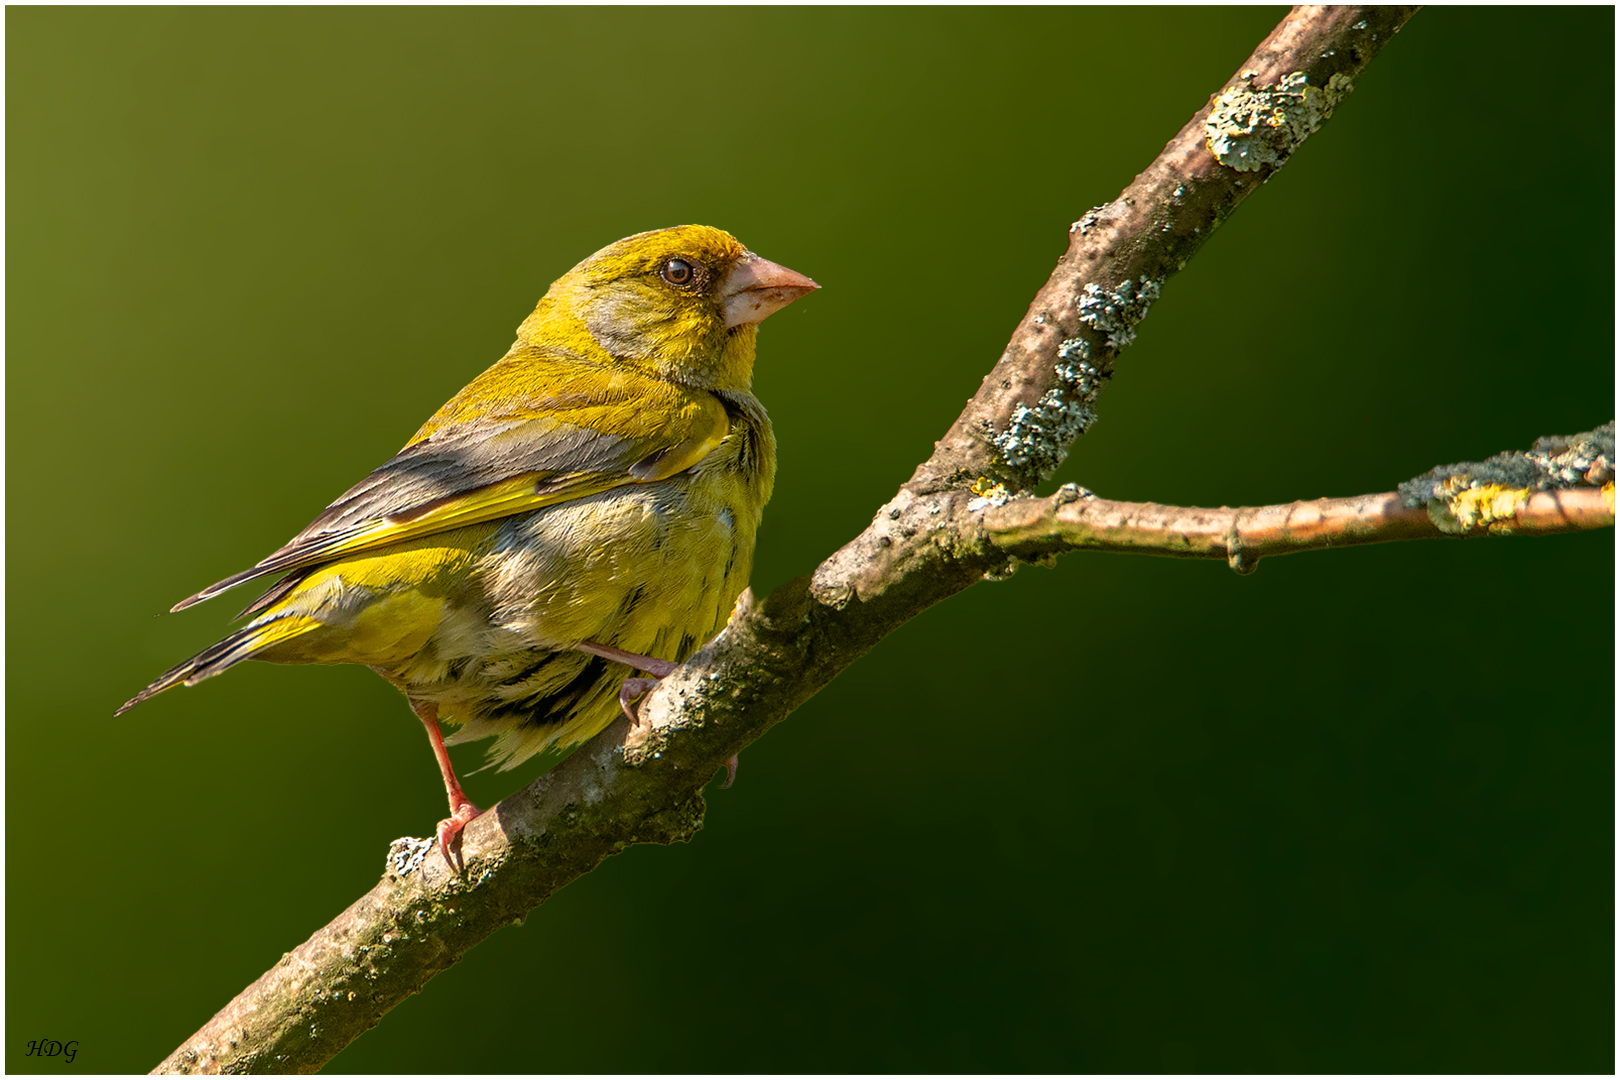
(584, 509)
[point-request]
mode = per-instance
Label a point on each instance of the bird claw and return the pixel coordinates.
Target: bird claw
(633, 688)
(449, 831)
(629, 691)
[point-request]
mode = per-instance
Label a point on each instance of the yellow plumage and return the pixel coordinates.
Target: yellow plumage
(601, 485)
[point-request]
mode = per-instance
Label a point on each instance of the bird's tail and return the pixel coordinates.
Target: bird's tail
(242, 645)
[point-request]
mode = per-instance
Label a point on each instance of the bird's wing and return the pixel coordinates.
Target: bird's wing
(566, 443)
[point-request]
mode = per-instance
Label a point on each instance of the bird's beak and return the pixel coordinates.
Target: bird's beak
(756, 287)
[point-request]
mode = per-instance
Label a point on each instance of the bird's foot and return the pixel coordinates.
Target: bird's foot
(634, 688)
(631, 690)
(450, 830)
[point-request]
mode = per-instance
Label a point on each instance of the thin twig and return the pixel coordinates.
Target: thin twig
(1038, 528)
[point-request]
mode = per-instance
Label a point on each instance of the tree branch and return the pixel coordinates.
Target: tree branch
(1038, 397)
(1563, 484)
(934, 539)
(1037, 529)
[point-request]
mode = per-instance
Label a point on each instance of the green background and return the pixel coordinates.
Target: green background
(1352, 813)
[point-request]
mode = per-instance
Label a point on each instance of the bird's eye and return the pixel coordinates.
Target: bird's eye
(678, 272)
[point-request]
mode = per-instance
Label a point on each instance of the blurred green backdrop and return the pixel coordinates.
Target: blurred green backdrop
(1353, 813)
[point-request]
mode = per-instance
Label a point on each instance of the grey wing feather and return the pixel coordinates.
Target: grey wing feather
(448, 463)
(458, 460)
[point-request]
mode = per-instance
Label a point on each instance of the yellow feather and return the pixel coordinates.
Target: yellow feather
(603, 482)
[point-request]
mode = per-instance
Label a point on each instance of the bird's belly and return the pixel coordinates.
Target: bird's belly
(653, 569)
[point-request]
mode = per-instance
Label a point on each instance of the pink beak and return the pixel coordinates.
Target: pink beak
(756, 287)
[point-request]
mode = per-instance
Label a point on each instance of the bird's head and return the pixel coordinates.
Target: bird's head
(682, 303)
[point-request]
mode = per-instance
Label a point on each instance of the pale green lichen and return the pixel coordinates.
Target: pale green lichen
(1251, 128)
(1039, 437)
(1088, 220)
(1071, 492)
(1116, 313)
(406, 854)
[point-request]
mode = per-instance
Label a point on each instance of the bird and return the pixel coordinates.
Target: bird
(583, 510)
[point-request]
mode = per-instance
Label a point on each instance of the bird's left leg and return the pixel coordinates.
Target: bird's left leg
(633, 688)
(461, 808)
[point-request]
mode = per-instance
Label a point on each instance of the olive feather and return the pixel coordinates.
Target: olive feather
(585, 507)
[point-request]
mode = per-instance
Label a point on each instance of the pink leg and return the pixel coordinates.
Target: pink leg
(461, 808)
(650, 664)
(631, 689)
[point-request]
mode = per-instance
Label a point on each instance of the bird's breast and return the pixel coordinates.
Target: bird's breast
(652, 568)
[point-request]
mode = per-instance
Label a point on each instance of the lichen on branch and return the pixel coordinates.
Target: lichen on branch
(1489, 494)
(1028, 411)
